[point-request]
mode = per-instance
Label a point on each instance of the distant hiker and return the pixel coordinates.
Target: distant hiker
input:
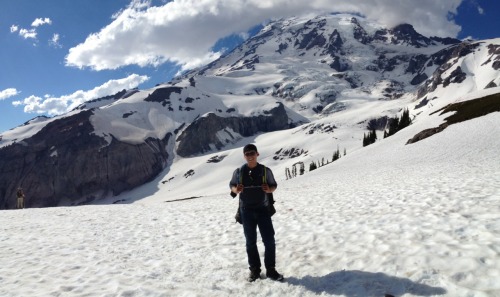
(20, 198)
(252, 181)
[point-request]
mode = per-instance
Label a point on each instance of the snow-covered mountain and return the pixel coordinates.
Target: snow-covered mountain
(312, 85)
(386, 220)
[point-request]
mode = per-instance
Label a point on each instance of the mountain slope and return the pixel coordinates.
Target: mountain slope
(316, 81)
(405, 220)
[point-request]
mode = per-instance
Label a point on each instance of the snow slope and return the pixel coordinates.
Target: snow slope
(412, 220)
(406, 220)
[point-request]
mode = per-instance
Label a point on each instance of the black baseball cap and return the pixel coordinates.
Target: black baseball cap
(249, 147)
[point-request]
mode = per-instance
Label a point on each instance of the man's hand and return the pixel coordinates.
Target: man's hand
(267, 189)
(239, 188)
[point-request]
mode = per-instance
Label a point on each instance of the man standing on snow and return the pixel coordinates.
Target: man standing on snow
(253, 181)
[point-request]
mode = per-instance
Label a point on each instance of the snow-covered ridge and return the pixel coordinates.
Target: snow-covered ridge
(335, 71)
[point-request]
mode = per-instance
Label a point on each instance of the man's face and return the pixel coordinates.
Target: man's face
(251, 156)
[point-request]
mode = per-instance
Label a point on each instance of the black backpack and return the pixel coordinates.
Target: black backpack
(269, 196)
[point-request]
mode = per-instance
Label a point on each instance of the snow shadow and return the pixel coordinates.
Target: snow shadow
(355, 283)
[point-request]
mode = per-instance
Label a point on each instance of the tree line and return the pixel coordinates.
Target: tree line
(336, 155)
(394, 125)
(313, 165)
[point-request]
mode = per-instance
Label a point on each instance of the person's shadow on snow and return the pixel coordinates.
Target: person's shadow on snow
(354, 283)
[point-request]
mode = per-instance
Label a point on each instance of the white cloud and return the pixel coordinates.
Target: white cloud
(30, 33)
(27, 33)
(40, 21)
(57, 105)
(54, 41)
(7, 93)
(184, 31)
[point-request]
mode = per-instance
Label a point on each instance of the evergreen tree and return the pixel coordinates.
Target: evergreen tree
(373, 136)
(312, 166)
(370, 138)
(396, 124)
(336, 155)
(393, 126)
(405, 120)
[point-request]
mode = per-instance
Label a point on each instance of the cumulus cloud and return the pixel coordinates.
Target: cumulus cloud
(57, 105)
(7, 93)
(184, 31)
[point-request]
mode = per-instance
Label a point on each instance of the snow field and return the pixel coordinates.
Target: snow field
(383, 220)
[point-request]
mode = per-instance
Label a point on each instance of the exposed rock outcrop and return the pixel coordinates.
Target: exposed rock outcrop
(463, 111)
(66, 164)
(445, 59)
(203, 134)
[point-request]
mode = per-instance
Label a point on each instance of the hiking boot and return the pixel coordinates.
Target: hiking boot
(274, 275)
(254, 275)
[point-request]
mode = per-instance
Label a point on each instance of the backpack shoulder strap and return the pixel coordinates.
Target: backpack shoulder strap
(269, 196)
(264, 176)
(240, 175)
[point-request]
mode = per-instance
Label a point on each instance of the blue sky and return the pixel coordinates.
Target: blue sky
(55, 54)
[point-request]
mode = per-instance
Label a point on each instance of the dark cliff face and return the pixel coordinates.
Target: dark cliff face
(405, 33)
(359, 33)
(65, 163)
(198, 137)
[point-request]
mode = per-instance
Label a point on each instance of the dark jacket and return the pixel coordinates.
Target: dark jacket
(252, 179)
(20, 194)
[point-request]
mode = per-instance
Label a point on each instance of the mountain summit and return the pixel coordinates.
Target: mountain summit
(328, 77)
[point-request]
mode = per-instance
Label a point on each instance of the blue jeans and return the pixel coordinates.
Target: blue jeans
(260, 217)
